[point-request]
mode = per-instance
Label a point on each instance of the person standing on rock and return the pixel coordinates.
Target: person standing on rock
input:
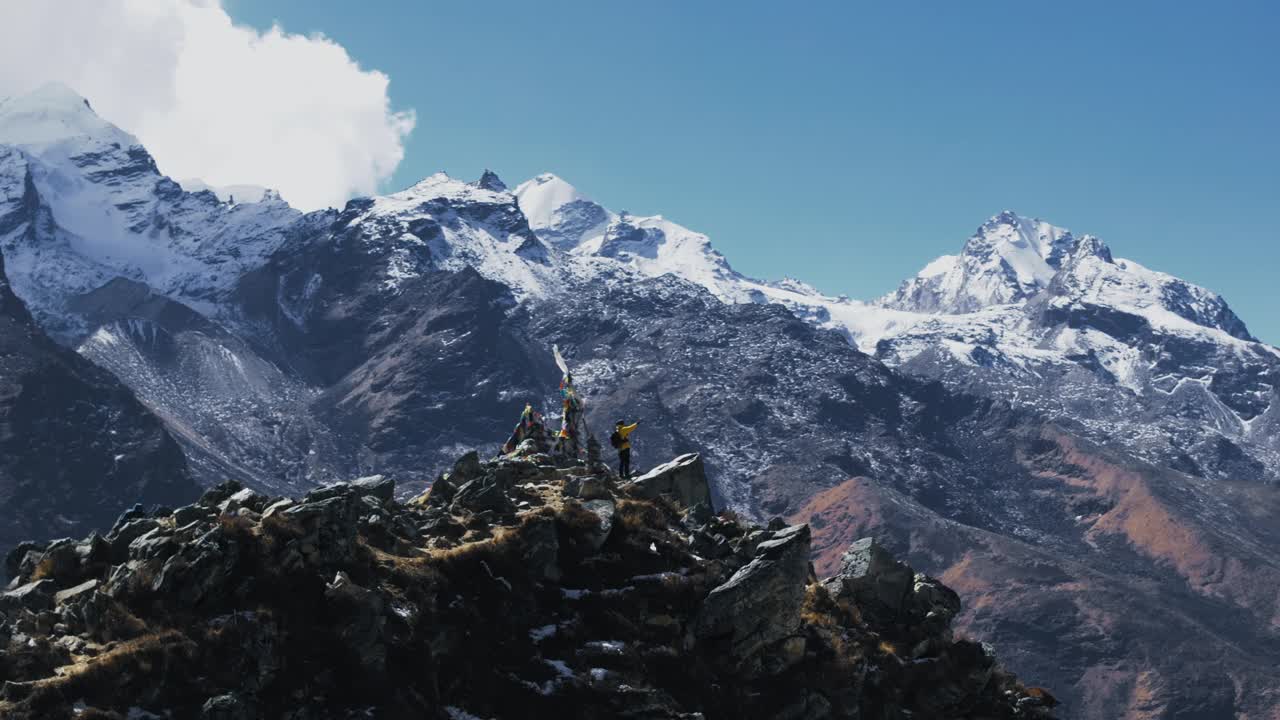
(621, 440)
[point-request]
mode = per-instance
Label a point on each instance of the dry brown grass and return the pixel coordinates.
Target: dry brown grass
(43, 569)
(636, 515)
(830, 621)
(99, 678)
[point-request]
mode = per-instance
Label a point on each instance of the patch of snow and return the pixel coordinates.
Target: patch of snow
(539, 634)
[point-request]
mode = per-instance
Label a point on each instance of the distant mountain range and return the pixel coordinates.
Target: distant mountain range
(1089, 450)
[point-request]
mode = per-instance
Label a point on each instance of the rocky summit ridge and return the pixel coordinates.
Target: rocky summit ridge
(513, 588)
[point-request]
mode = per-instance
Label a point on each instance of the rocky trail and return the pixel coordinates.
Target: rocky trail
(512, 589)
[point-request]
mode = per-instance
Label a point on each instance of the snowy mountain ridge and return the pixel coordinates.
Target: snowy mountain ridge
(1027, 312)
(104, 210)
(1023, 307)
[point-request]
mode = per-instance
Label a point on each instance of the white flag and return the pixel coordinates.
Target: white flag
(564, 366)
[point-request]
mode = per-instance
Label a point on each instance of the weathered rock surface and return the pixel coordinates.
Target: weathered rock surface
(684, 478)
(346, 603)
(760, 603)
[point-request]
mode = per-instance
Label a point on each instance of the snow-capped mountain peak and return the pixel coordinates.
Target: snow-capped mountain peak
(1008, 259)
(561, 215)
(85, 203)
(54, 114)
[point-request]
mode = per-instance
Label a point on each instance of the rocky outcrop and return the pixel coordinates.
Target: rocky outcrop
(348, 603)
(684, 478)
(760, 604)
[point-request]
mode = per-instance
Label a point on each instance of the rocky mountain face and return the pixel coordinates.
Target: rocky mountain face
(1084, 445)
(75, 445)
(512, 589)
(1034, 315)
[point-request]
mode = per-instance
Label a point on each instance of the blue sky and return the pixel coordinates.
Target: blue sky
(847, 143)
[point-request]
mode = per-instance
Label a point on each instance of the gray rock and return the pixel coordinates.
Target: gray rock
(931, 599)
(127, 533)
(874, 580)
(328, 492)
(35, 596)
(440, 493)
(376, 486)
(760, 604)
(480, 495)
(155, 544)
(95, 549)
(13, 561)
(331, 509)
(214, 496)
(242, 499)
(684, 478)
(61, 561)
(603, 509)
(466, 468)
(228, 707)
(593, 488)
(201, 572)
(277, 507)
(188, 514)
(75, 594)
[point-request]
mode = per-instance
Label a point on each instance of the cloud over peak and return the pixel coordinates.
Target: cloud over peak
(211, 99)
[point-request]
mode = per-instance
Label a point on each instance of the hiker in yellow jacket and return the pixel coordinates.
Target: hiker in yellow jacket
(621, 440)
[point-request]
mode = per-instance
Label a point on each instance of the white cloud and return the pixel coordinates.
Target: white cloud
(210, 99)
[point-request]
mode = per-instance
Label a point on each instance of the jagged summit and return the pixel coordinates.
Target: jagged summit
(489, 180)
(1008, 259)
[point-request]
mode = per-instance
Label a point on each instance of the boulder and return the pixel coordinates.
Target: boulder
(933, 601)
(155, 544)
(684, 478)
(14, 559)
(376, 486)
(244, 498)
(61, 561)
(328, 510)
(329, 492)
(277, 508)
(439, 494)
(188, 514)
(121, 536)
(466, 468)
(480, 495)
(874, 580)
(94, 550)
(603, 509)
(760, 604)
(201, 572)
(214, 496)
(133, 513)
(74, 594)
(586, 488)
(35, 596)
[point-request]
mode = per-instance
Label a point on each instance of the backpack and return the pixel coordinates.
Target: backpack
(616, 439)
